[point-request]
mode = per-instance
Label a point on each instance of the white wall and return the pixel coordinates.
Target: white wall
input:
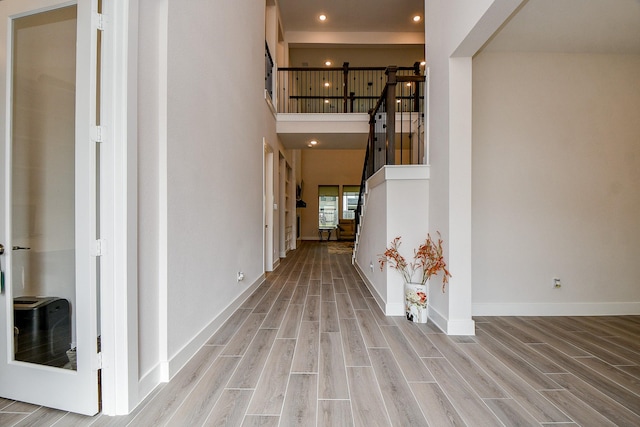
(556, 168)
(372, 240)
(396, 205)
(151, 126)
(216, 124)
(447, 26)
(202, 120)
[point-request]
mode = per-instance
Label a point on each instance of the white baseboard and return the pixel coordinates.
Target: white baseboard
(461, 327)
(452, 326)
(395, 309)
(148, 383)
(449, 327)
(556, 309)
(181, 358)
(376, 295)
(437, 319)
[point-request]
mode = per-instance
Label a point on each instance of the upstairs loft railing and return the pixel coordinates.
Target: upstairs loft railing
(339, 89)
(268, 70)
(396, 128)
(392, 96)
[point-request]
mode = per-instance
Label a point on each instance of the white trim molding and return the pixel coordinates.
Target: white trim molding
(118, 209)
(557, 309)
(452, 326)
(180, 359)
(393, 309)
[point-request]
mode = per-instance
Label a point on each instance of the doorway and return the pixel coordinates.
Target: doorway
(268, 206)
(48, 204)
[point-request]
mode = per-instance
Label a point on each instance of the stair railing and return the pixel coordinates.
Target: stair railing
(402, 94)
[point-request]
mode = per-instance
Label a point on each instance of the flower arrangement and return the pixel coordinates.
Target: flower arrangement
(427, 261)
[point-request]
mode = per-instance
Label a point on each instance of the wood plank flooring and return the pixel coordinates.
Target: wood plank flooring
(311, 348)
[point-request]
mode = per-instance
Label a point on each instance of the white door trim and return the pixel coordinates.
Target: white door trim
(268, 204)
(119, 270)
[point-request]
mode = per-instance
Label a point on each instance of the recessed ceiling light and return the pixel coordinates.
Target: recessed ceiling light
(326, 101)
(322, 17)
(417, 18)
(312, 143)
(423, 63)
(327, 84)
(328, 63)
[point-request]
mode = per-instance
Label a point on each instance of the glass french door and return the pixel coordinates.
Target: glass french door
(49, 349)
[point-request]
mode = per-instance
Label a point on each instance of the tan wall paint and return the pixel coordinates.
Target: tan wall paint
(325, 167)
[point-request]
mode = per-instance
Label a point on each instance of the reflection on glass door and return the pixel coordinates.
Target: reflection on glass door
(43, 187)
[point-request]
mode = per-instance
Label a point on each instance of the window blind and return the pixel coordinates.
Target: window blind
(328, 190)
(350, 189)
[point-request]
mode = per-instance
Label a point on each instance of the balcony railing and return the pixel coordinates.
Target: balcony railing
(340, 89)
(268, 70)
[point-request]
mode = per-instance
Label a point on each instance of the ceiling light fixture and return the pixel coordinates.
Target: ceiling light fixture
(322, 17)
(313, 142)
(417, 18)
(327, 63)
(327, 84)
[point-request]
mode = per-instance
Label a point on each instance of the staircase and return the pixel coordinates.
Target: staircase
(395, 204)
(396, 137)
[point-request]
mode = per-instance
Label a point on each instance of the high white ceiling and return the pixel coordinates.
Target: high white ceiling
(570, 26)
(352, 15)
(593, 26)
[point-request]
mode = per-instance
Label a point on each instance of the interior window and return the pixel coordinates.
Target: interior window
(328, 205)
(350, 195)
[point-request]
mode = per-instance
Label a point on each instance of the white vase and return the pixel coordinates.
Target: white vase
(415, 302)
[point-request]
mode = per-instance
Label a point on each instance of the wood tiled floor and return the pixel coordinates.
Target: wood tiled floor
(311, 347)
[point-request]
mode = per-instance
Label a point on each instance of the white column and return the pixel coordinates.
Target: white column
(460, 97)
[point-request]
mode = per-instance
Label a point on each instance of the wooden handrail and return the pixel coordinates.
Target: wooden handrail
(387, 103)
(342, 69)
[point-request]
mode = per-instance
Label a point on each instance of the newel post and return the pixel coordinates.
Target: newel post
(391, 114)
(345, 85)
(371, 164)
(416, 94)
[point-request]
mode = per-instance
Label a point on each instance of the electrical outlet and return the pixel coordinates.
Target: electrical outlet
(556, 283)
(371, 265)
(240, 276)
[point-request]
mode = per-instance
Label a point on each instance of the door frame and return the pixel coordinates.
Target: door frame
(118, 209)
(268, 198)
(118, 305)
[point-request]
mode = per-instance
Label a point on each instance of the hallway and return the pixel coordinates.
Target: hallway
(311, 347)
